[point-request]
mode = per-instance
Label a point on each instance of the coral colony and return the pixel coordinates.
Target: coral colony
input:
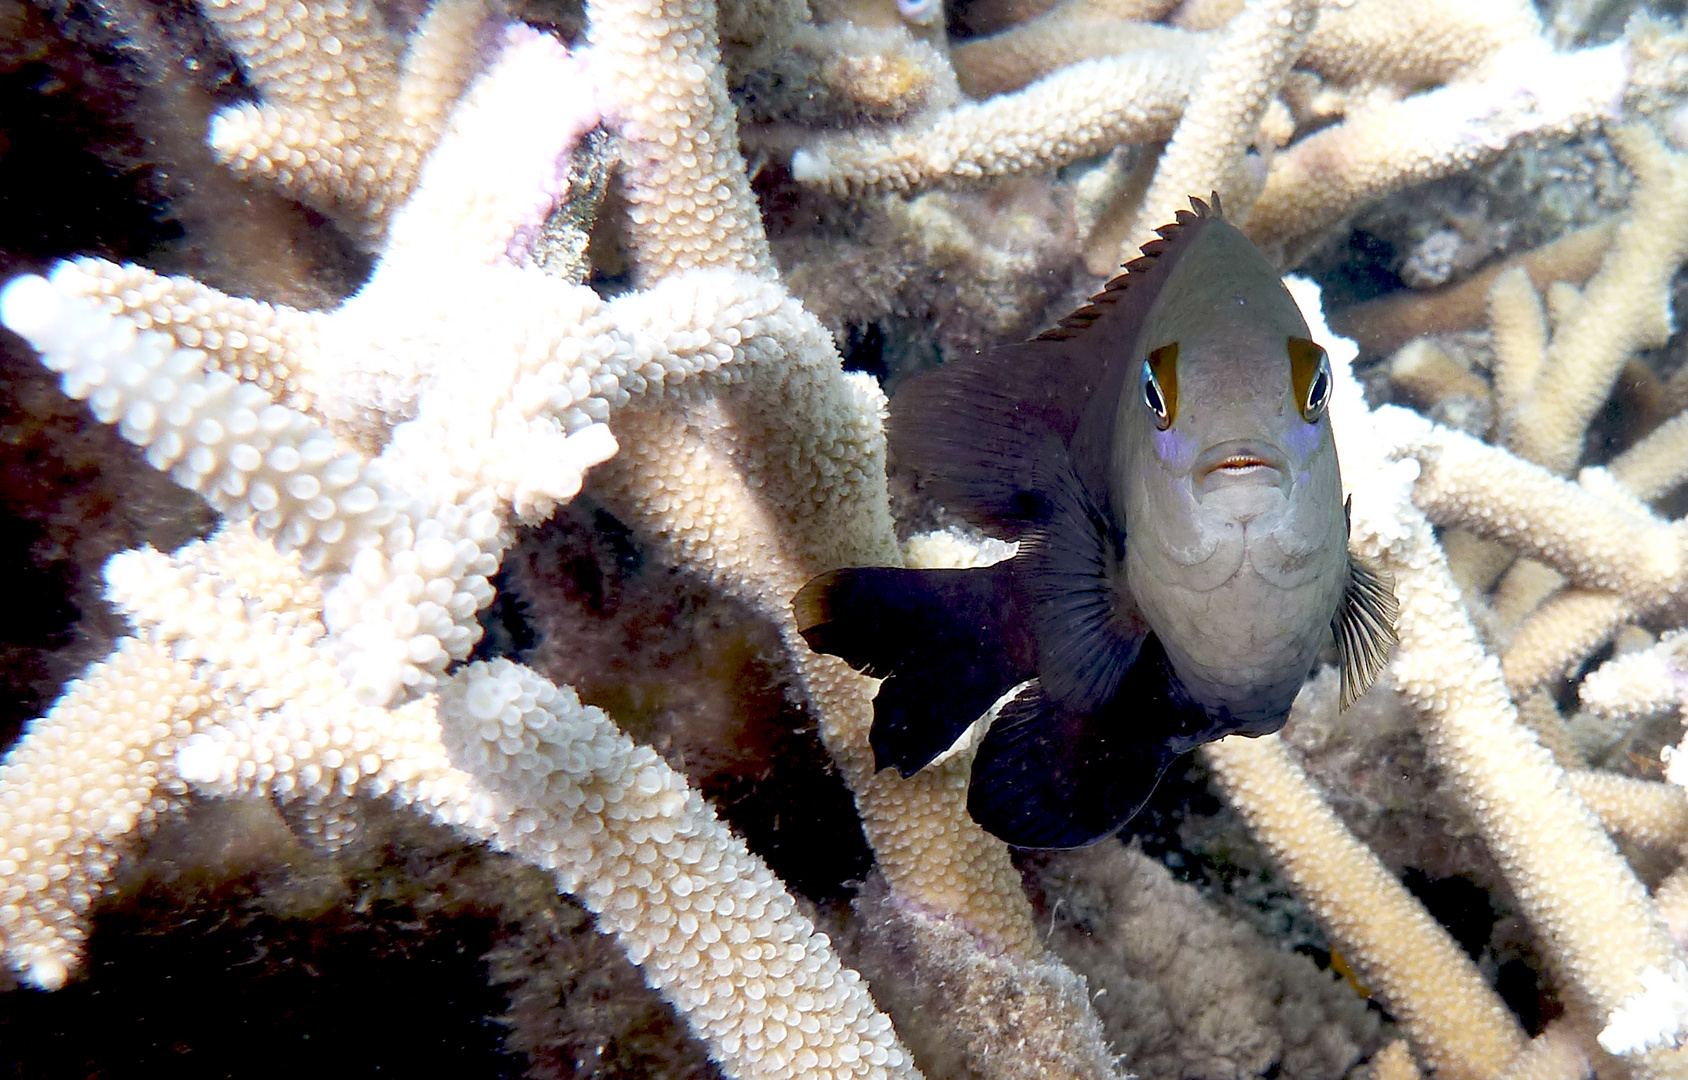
(372, 463)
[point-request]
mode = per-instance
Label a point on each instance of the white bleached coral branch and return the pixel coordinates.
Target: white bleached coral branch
(1652, 1017)
(500, 754)
(1647, 682)
(713, 929)
(342, 122)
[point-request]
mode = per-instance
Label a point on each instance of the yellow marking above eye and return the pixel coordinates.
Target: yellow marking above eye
(1309, 372)
(1160, 384)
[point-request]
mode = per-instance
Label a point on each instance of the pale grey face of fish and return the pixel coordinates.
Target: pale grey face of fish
(1226, 476)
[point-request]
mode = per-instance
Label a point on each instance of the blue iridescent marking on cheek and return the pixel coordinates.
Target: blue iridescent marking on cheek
(1175, 449)
(1302, 439)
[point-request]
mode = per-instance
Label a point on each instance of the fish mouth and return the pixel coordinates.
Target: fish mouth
(1240, 461)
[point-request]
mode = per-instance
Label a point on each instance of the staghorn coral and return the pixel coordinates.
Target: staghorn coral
(261, 707)
(402, 563)
(740, 457)
(344, 122)
(1409, 105)
(1241, 76)
(1189, 990)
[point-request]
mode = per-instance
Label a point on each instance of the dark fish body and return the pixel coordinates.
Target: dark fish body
(1164, 459)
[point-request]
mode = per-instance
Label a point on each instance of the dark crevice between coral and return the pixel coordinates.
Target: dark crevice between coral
(864, 349)
(1461, 906)
(1183, 792)
(72, 493)
(698, 675)
(1353, 267)
(230, 949)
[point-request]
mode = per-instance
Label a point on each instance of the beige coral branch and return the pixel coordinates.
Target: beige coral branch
(1387, 323)
(1656, 463)
(1646, 812)
(1564, 630)
(1077, 112)
(1558, 1053)
(1518, 322)
(76, 757)
(1458, 1025)
(1208, 150)
(1625, 307)
(1072, 31)
(1386, 146)
(1602, 539)
(1410, 46)
(691, 206)
(1393, 1062)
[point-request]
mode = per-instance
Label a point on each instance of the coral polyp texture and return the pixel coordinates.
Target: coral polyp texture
(662, 369)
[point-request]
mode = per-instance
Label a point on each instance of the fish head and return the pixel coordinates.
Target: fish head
(1223, 471)
(1225, 420)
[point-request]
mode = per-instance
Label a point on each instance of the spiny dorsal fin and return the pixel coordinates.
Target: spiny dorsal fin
(1081, 319)
(1364, 627)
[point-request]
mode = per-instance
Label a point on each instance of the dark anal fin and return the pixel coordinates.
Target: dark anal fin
(948, 644)
(1046, 777)
(1365, 628)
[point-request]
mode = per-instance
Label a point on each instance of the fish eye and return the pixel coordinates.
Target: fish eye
(1160, 384)
(1152, 395)
(1309, 369)
(1318, 396)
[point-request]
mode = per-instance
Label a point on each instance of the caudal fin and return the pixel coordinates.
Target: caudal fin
(948, 644)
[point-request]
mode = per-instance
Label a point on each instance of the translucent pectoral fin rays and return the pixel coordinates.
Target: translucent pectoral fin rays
(1365, 629)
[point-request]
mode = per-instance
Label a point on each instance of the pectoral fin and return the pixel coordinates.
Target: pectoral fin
(948, 644)
(1086, 625)
(1365, 628)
